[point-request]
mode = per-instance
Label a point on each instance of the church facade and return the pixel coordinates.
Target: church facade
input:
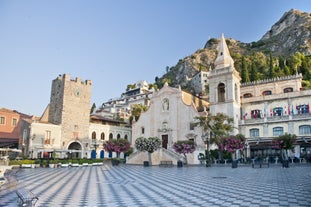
(170, 117)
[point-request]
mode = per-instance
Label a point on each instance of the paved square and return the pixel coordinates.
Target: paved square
(131, 185)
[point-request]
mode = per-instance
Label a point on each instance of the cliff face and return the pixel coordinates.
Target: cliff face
(292, 33)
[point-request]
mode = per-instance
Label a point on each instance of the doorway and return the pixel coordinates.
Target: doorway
(164, 141)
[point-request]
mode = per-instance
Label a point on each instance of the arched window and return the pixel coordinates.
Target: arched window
(125, 137)
(288, 90)
(221, 92)
(305, 129)
(266, 93)
(118, 136)
(236, 92)
(254, 132)
(102, 136)
(247, 95)
(143, 130)
(110, 136)
(93, 135)
(277, 131)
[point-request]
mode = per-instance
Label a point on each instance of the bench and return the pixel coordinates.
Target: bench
(166, 163)
(26, 197)
(260, 164)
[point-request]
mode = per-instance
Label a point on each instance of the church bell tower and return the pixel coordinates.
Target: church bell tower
(224, 85)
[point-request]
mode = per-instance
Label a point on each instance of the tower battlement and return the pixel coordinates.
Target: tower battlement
(66, 77)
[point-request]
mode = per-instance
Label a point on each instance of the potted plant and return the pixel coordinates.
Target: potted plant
(232, 144)
(285, 143)
(37, 163)
(44, 163)
(118, 146)
(148, 144)
(184, 147)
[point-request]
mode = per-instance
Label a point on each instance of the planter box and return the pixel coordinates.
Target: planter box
(85, 164)
(97, 164)
(75, 165)
(51, 165)
(26, 165)
(64, 165)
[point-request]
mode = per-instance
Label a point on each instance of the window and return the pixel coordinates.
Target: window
(277, 131)
(303, 109)
(125, 137)
(247, 95)
(102, 136)
(14, 122)
(118, 136)
(2, 120)
(256, 114)
(143, 130)
(277, 111)
(47, 137)
(254, 132)
(93, 135)
(288, 90)
(110, 136)
(266, 93)
(305, 129)
(221, 92)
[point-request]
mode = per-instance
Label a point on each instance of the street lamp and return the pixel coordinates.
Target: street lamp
(95, 145)
(207, 154)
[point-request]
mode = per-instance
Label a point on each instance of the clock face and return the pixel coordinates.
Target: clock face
(77, 92)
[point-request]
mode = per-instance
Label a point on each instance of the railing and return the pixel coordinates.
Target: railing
(276, 118)
(172, 154)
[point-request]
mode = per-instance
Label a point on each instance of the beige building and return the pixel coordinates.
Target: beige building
(170, 117)
(66, 126)
(273, 107)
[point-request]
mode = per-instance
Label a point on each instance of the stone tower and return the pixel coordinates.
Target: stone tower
(224, 86)
(70, 108)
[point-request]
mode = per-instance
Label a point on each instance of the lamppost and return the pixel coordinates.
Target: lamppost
(207, 153)
(95, 145)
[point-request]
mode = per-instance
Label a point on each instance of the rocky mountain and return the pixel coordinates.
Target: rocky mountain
(291, 34)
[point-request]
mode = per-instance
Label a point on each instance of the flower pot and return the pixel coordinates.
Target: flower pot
(115, 162)
(285, 164)
(234, 163)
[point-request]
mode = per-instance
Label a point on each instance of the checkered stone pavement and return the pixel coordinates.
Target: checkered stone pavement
(132, 185)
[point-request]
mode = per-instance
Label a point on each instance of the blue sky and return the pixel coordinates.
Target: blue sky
(114, 43)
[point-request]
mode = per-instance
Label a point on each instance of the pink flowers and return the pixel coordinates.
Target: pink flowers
(285, 141)
(232, 143)
(117, 145)
(184, 147)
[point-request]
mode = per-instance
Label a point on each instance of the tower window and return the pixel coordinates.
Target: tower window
(221, 92)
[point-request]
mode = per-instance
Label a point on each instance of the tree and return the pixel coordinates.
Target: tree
(284, 143)
(271, 67)
(136, 110)
(149, 145)
(233, 143)
(93, 108)
(214, 128)
(184, 147)
(244, 71)
(254, 73)
(117, 145)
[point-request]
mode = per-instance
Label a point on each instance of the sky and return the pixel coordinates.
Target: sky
(114, 43)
